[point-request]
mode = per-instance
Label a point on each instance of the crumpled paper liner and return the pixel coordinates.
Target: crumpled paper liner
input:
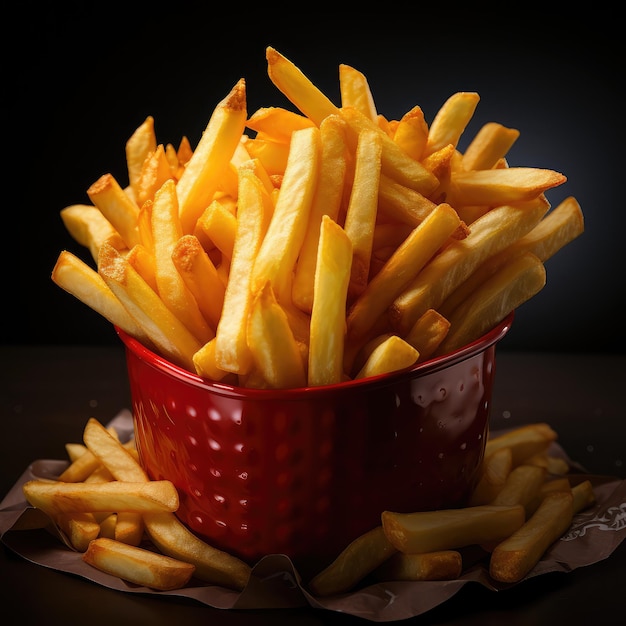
(275, 582)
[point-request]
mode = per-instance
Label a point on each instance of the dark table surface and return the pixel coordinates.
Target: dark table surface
(49, 392)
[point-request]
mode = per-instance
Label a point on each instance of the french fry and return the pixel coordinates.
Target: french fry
(411, 133)
(173, 291)
(84, 283)
(129, 528)
(427, 333)
(523, 441)
(88, 226)
(521, 486)
(431, 531)
(138, 565)
(501, 185)
(200, 276)
(516, 555)
(164, 329)
(362, 208)
(108, 451)
(232, 353)
(326, 201)
(489, 234)
(297, 88)
(205, 363)
(450, 121)
(117, 207)
(392, 354)
(406, 262)
(272, 344)
(154, 172)
(277, 123)
(281, 244)
(395, 163)
(61, 498)
(561, 225)
(355, 91)
(511, 286)
(328, 326)
(139, 146)
(273, 155)
(491, 143)
(217, 225)
(494, 471)
(362, 556)
(144, 263)
(441, 565)
(201, 176)
(582, 495)
(212, 565)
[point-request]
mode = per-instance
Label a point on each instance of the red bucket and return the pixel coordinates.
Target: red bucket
(303, 472)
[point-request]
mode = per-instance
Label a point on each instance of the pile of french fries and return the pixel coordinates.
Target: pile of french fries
(306, 247)
(125, 524)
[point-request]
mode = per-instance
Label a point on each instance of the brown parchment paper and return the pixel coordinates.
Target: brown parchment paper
(275, 582)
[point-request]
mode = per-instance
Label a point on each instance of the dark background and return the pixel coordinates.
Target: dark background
(79, 78)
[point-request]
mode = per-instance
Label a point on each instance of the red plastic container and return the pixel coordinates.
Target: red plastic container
(305, 471)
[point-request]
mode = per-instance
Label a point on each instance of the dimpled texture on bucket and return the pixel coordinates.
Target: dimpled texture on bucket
(304, 472)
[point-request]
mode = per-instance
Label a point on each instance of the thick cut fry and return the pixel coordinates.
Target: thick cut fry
(75, 450)
(281, 245)
(494, 471)
(129, 528)
(362, 208)
(524, 441)
(490, 144)
(359, 558)
(521, 486)
(138, 565)
(328, 321)
(273, 155)
(451, 120)
(399, 203)
(143, 261)
(212, 565)
(277, 123)
(431, 531)
(57, 497)
(395, 163)
(232, 353)
(117, 207)
(507, 289)
(88, 226)
(139, 146)
(84, 283)
(219, 225)
(427, 333)
(272, 344)
(155, 171)
(501, 186)
(355, 91)
(392, 354)
(326, 201)
(115, 457)
(213, 153)
(514, 557)
(582, 495)
(205, 362)
(297, 88)
(405, 263)
(79, 527)
(164, 329)
(411, 133)
(441, 565)
(167, 231)
(560, 226)
(200, 276)
(489, 234)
